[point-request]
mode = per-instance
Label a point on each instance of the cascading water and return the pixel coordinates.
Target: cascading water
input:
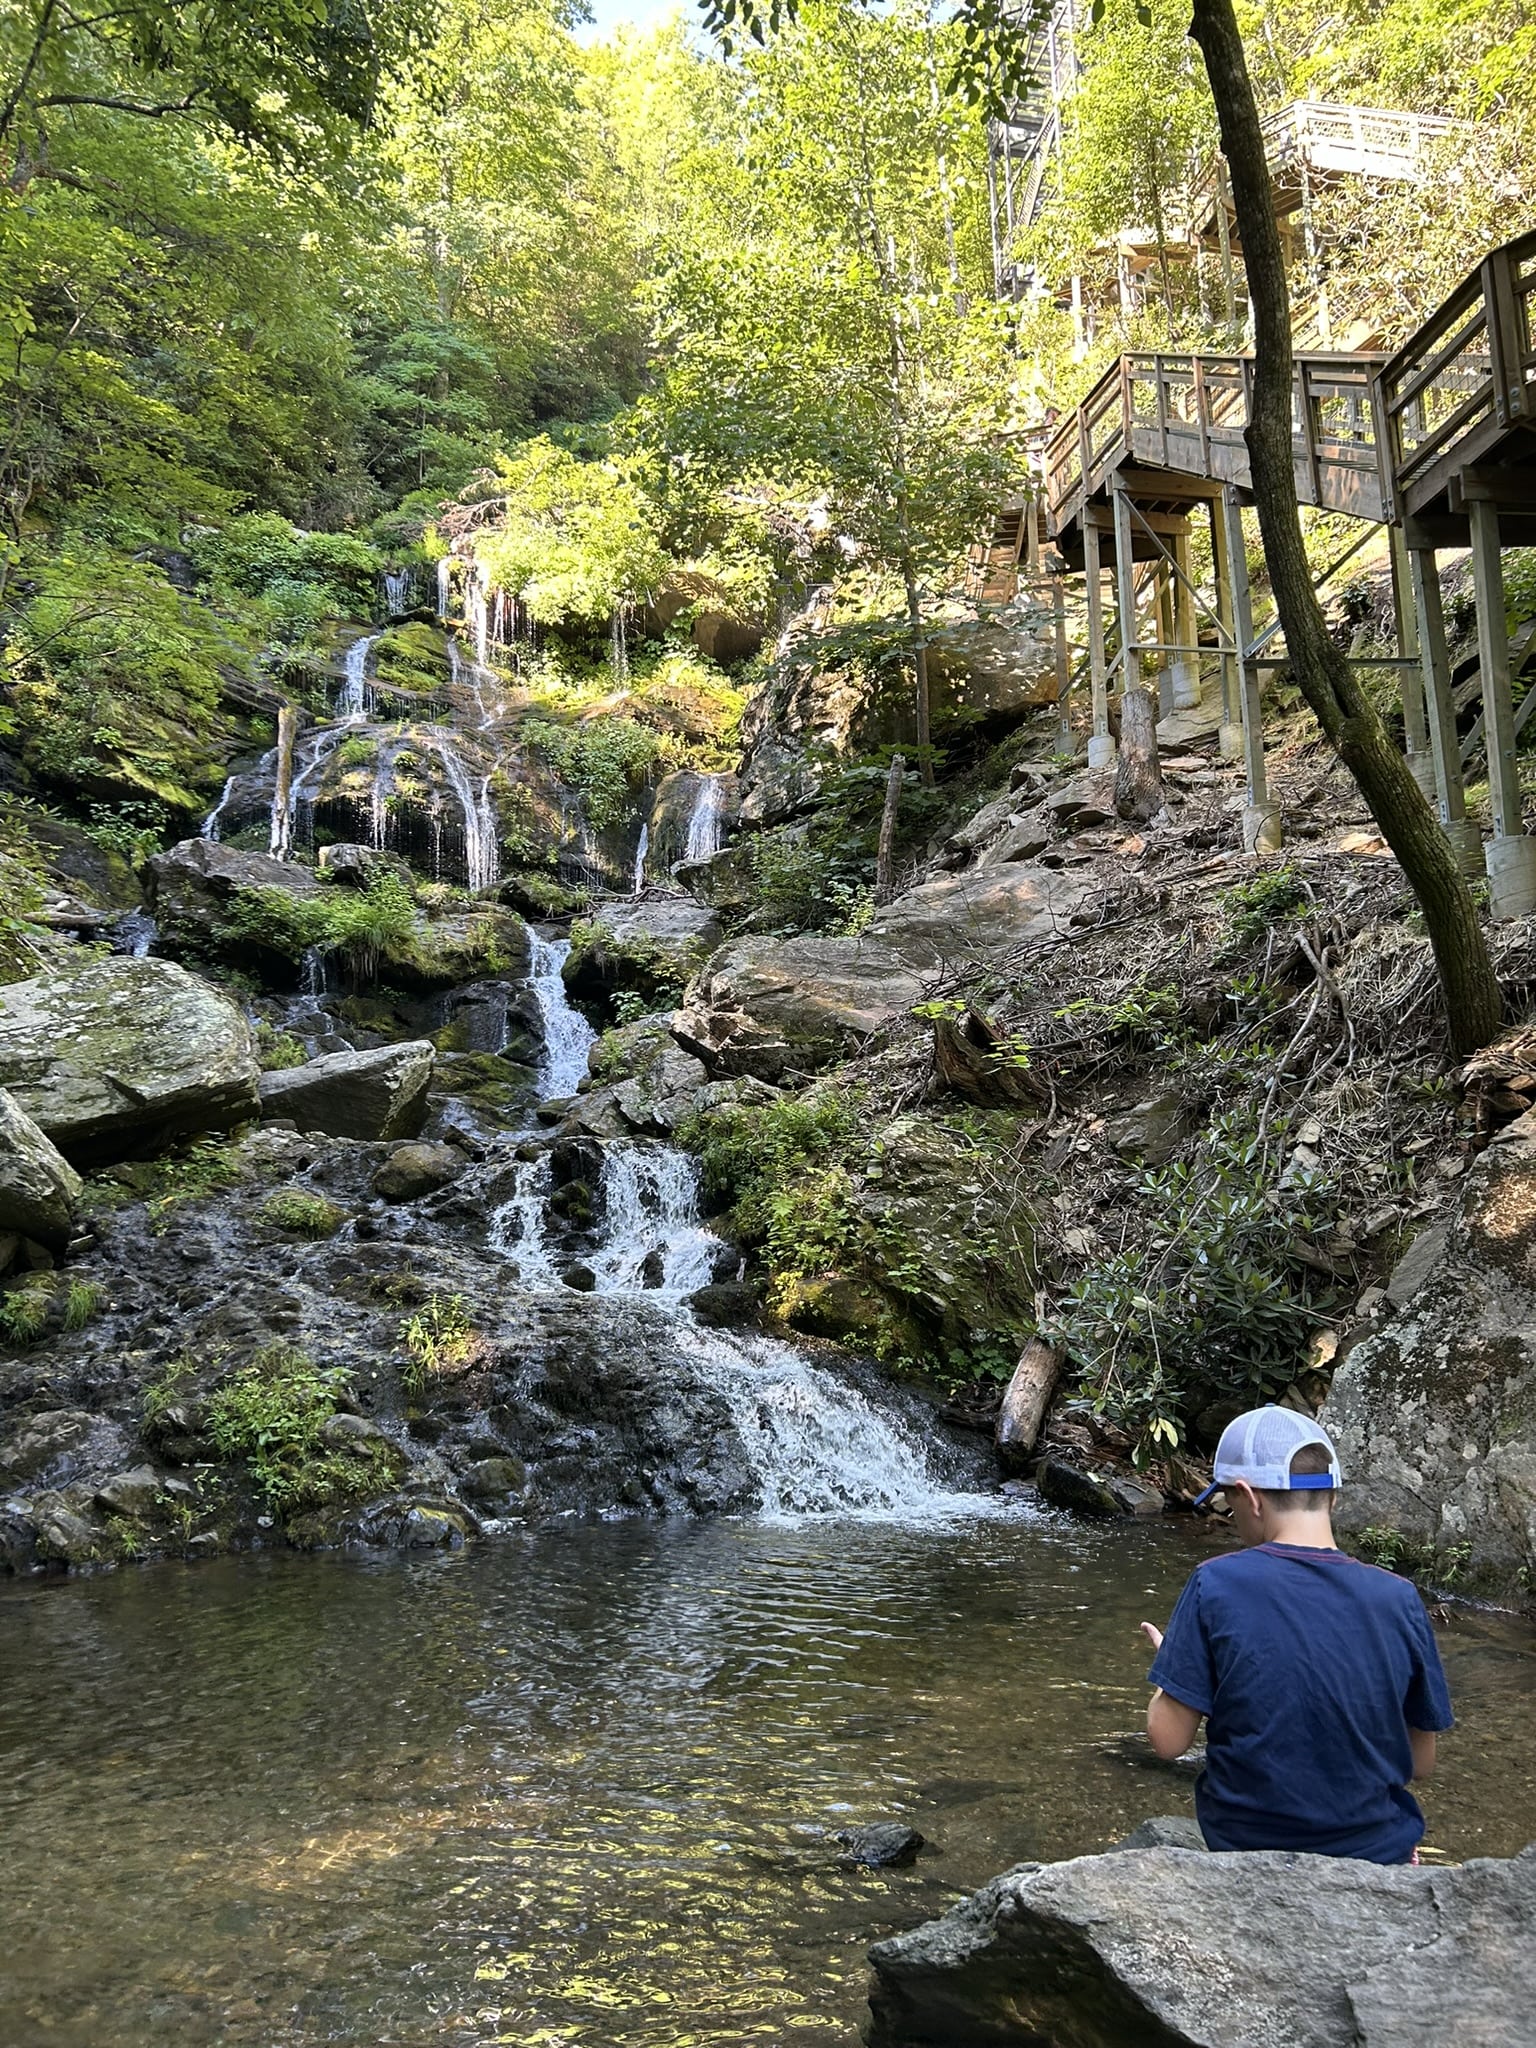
(568, 1037)
(482, 854)
(356, 699)
(517, 1228)
(444, 586)
(210, 829)
(476, 613)
(706, 822)
(134, 934)
(399, 590)
(653, 1235)
(619, 647)
(641, 851)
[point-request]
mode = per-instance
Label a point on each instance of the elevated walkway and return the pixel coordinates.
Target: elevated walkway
(1436, 444)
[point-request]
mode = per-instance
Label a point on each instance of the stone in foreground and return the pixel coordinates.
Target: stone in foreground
(378, 1094)
(112, 1057)
(39, 1189)
(1168, 1948)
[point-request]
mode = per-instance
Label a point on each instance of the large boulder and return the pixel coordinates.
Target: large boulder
(112, 1057)
(378, 1094)
(193, 883)
(650, 945)
(1170, 1948)
(983, 915)
(770, 1006)
(1435, 1415)
(39, 1189)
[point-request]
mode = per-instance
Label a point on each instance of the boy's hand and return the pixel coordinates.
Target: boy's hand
(1153, 1635)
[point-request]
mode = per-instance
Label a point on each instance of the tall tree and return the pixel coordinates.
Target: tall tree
(1323, 675)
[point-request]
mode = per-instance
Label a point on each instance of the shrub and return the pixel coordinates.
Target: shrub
(270, 1414)
(83, 1299)
(303, 1212)
(278, 1049)
(24, 1310)
(1255, 908)
(801, 884)
(438, 1337)
(781, 1169)
(360, 926)
(604, 758)
(1211, 1303)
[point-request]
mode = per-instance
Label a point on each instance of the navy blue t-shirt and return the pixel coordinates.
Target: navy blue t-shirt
(1310, 1667)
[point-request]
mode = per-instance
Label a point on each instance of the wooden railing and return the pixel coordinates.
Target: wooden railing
(1187, 413)
(1468, 374)
(1337, 141)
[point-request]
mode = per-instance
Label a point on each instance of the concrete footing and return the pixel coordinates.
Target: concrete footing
(1261, 829)
(1101, 750)
(1512, 875)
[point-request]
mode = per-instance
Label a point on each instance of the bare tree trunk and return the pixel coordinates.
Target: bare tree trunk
(920, 677)
(886, 857)
(1024, 1404)
(1138, 770)
(1323, 675)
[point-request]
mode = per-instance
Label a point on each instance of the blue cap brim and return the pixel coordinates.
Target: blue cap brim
(1200, 1499)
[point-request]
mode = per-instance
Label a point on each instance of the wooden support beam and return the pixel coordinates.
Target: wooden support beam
(1450, 794)
(1125, 591)
(1511, 857)
(1261, 818)
(1101, 748)
(1186, 663)
(1063, 668)
(1415, 723)
(1230, 738)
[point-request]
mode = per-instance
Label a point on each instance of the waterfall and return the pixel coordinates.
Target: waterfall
(618, 647)
(476, 614)
(499, 620)
(383, 788)
(134, 934)
(706, 828)
(210, 829)
(355, 701)
(482, 855)
(640, 852)
(651, 1219)
(280, 839)
(568, 1037)
(444, 586)
(517, 1228)
(312, 972)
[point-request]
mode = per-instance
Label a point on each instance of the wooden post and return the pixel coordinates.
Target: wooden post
(1261, 818)
(885, 856)
(1415, 724)
(1164, 610)
(1510, 855)
(1186, 632)
(1063, 668)
(1230, 738)
(1101, 748)
(1125, 591)
(1445, 748)
(280, 842)
(1138, 770)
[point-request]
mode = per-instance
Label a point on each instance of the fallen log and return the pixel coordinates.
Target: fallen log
(1027, 1397)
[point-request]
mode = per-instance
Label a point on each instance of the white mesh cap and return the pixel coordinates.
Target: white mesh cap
(1259, 1447)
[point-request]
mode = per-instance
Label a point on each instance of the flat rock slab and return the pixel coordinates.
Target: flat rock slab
(1170, 1948)
(377, 1094)
(762, 1007)
(983, 914)
(112, 1057)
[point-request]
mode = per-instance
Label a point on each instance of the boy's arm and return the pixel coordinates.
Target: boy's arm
(1171, 1726)
(1422, 1741)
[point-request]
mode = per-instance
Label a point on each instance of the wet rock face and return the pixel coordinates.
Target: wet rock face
(39, 1189)
(193, 883)
(378, 1094)
(114, 1056)
(1435, 1415)
(1177, 1949)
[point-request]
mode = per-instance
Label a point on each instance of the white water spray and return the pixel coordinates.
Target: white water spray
(210, 829)
(444, 586)
(356, 699)
(706, 822)
(482, 855)
(641, 851)
(568, 1037)
(399, 590)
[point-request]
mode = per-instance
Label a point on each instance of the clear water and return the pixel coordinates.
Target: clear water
(578, 1790)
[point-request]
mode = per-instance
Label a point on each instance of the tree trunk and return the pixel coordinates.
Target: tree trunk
(971, 1056)
(1322, 674)
(885, 858)
(1025, 1402)
(920, 678)
(1138, 770)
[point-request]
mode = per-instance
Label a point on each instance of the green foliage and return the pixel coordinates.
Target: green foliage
(271, 1414)
(302, 1212)
(802, 884)
(606, 759)
(782, 1170)
(1211, 1301)
(170, 1385)
(134, 830)
(361, 926)
(1255, 908)
(83, 1300)
(25, 1310)
(438, 1337)
(276, 1049)
(197, 1170)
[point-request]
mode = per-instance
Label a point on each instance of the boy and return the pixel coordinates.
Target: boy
(1318, 1675)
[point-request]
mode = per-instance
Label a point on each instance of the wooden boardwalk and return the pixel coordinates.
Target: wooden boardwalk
(1436, 444)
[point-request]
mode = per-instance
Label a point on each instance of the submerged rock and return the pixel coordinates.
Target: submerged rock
(116, 1056)
(883, 1845)
(378, 1094)
(1176, 1949)
(1435, 1415)
(39, 1189)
